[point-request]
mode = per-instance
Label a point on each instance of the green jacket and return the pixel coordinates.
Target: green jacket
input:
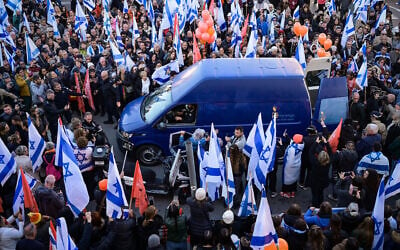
(176, 232)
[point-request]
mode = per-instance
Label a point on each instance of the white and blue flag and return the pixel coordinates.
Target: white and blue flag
(264, 231)
(393, 185)
(177, 42)
(81, 22)
(348, 29)
(202, 155)
(171, 8)
(7, 163)
(267, 156)
(150, 11)
(248, 205)
(362, 12)
(299, 55)
(36, 145)
(228, 189)
(26, 24)
(125, 9)
(332, 7)
(64, 241)
(361, 78)
(32, 52)
(221, 19)
(234, 15)
(9, 58)
(14, 5)
(106, 5)
(118, 57)
(18, 201)
(75, 187)
(353, 67)
(272, 32)
(106, 22)
(118, 37)
(283, 20)
(254, 145)
(214, 178)
(236, 39)
(382, 17)
(162, 74)
(115, 196)
(89, 4)
(128, 61)
(51, 18)
(135, 31)
(296, 13)
(251, 50)
(3, 15)
(193, 12)
(154, 37)
(378, 217)
(142, 2)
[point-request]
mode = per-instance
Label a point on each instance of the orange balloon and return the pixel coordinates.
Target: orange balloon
(210, 23)
(210, 31)
(303, 30)
(211, 39)
(283, 245)
(103, 185)
(327, 44)
(205, 37)
(321, 52)
(322, 38)
(198, 33)
(296, 28)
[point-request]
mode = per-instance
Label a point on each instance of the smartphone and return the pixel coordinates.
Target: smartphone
(355, 190)
(320, 135)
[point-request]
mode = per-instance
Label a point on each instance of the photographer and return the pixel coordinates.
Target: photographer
(349, 189)
(92, 128)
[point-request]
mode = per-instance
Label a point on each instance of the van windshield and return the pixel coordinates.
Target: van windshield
(155, 103)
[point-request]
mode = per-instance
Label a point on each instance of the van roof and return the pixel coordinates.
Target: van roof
(224, 73)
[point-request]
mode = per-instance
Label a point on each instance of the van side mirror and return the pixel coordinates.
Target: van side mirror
(161, 126)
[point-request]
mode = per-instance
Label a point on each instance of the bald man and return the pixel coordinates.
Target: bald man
(50, 203)
(29, 241)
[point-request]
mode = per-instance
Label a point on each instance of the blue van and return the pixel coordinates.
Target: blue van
(227, 92)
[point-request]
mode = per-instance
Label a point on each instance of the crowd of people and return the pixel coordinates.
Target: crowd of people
(51, 86)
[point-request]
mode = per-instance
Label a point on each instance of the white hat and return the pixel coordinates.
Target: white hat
(353, 209)
(228, 217)
(200, 194)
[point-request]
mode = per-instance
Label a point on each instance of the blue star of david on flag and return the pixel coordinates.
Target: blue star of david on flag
(2, 159)
(32, 145)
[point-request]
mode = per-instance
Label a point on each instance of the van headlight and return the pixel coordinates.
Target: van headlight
(126, 135)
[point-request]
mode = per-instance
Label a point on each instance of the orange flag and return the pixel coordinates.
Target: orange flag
(138, 190)
(334, 138)
(88, 91)
(81, 104)
(29, 199)
(245, 26)
(196, 51)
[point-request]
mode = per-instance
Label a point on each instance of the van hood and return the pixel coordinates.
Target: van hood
(131, 119)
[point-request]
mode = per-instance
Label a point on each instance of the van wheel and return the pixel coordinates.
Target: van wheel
(149, 155)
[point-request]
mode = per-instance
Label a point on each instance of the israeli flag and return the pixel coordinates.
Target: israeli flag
(292, 163)
(9, 58)
(296, 13)
(300, 56)
(7, 163)
(353, 67)
(267, 156)
(1, 58)
(134, 30)
(89, 4)
(202, 155)
(36, 145)
(221, 19)
(362, 12)
(90, 50)
(253, 20)
(264, 230)
(382, 17)
(106, 5)
(52, 235)
(162, 74)
(3, 15)
(283, 20)
(361, 78)
(18, 201)
(378, 217)
(255, 142)
(142, 2)
(126, 7)
(272, 32)
(177, 42)
(235, 16)
(51, 18)
(118, 58)
(332, 7)
(193, 12)
(228, 189)
(150, 11)
(172, 8)
(81, 22)
(374, 160)
(236, 39)
(214, 46)
(248, 205)
(115, 196)
(374, 2)
(128, 61)
(106, 22)
(75, 187)
(5, 36)
(348, 29)
(26, 24)
(393, 185)
(251, 50)
(14, 5)
(214, 178)
(154, 38)
(118, 37)
(64, 241)
(32, 52)
(363, 50)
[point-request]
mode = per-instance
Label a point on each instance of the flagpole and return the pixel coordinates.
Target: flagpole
(226, 177)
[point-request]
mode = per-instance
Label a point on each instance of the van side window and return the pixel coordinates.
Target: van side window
(182, 114)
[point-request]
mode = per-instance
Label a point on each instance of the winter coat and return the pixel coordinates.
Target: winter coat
(311, 219)
(49, 202)
(393, 242)
(144, 232)
(297, 240)
(124, 238)
(345, 160)
(177, 232)
(365, 145)
(200, 219)
(319, 173)
(9, 236)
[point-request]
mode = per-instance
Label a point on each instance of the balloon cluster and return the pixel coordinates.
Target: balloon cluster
(206, 32)
(300, 30)
(326, 43)
(283, 245)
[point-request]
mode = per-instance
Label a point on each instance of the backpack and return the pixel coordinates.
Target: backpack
(50, 168)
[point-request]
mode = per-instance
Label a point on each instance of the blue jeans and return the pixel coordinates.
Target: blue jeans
(176, 245)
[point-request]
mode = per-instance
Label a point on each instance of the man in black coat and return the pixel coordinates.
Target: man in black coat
(53, 113)
(61, 99)
(112, 98)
